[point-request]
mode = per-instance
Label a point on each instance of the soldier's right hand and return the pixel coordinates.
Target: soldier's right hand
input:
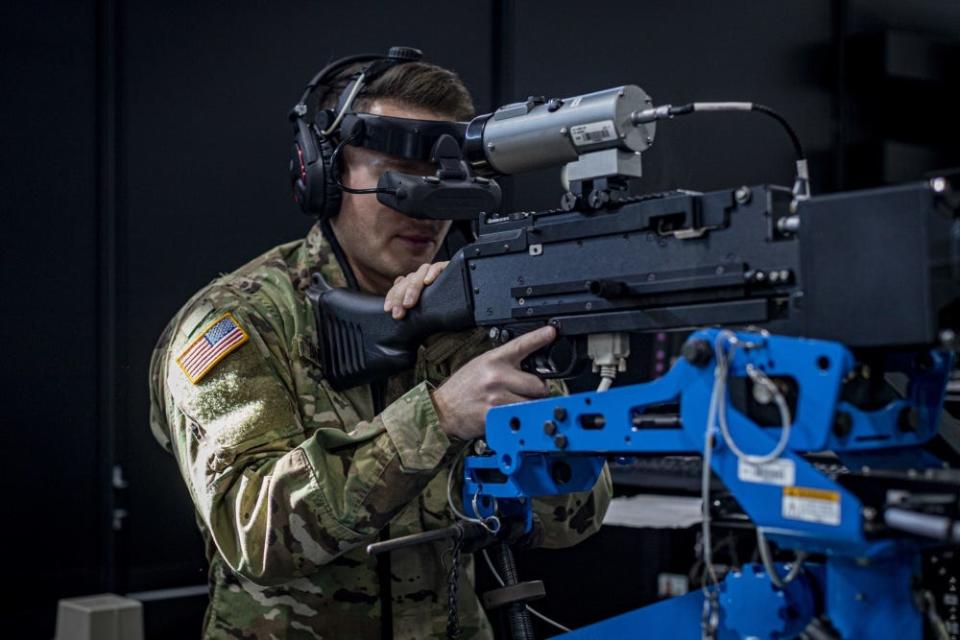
(489, 380)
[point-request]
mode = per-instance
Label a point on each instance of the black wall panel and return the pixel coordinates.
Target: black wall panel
(683, 51)
(52, 516)
(143, 150)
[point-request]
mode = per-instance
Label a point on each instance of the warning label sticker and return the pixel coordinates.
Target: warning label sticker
(594, 132)
(781, 472)
(811, 505)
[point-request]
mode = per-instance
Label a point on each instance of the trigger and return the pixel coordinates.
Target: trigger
(540, 363)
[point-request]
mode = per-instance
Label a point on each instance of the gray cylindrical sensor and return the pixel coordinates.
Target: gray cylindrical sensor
(538, 133)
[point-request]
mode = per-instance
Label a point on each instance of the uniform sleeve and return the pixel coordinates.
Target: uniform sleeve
(566, 520)
(278, 504)
(569, 519)
(561, 521)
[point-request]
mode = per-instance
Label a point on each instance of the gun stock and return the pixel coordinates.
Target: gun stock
(360, 343)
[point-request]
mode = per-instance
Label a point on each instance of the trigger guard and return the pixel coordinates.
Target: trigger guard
(533, 364)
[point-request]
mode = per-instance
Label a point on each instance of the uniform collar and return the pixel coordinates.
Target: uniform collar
(320, 253)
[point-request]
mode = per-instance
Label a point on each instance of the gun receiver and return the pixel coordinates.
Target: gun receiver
(870, 268)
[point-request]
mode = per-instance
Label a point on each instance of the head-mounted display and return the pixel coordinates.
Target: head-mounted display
(452, 193)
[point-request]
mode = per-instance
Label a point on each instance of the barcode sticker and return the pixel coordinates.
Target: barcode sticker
(781, 472)
(811, 505)
(592, 133)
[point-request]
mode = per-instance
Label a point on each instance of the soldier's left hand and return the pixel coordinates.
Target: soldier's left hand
(406, 290)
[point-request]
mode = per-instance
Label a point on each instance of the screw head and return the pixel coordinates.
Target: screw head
(908, 420)
(560, 414)
(697, 352)
(598, 198)
(560, 442)
(842, 424)
(549, 427)
(948, 339)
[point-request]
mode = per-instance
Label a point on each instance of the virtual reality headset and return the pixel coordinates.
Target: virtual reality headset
(449, 193)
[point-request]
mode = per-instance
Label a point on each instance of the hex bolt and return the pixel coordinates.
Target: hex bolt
(560, 442)
(909, 420)
(549, 427)
(559, 414)
(697, 352)
(842, 424)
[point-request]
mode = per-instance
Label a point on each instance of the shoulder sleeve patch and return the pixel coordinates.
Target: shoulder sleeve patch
(219, 339)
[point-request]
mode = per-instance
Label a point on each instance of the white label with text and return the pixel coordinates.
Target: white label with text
(781, 472)
(592, 133)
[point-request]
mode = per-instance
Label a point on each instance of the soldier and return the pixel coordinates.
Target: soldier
(291, 478)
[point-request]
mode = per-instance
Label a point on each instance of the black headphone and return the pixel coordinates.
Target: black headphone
(315, 187)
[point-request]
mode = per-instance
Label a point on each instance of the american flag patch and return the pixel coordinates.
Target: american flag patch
(221, 338)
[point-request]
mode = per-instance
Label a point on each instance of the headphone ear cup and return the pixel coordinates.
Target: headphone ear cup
(303, 160)
(311, 174)
(298, 175)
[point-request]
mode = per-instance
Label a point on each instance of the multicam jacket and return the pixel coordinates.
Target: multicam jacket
(290, 478)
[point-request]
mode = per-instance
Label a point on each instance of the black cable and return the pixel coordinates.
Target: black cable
(518, 618)
(794, 138)
(801, 186)
(335, 171)
(686, 109)
(339, 255)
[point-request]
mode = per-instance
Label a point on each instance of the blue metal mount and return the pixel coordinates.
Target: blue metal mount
(559, 445)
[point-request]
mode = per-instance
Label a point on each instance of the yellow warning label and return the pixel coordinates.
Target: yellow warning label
(811, 505)
(816, 494)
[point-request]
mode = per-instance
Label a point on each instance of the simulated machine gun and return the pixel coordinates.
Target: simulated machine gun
(607, 263)
(841, 294)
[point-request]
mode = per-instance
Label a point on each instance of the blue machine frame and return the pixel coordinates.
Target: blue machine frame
(864, 586)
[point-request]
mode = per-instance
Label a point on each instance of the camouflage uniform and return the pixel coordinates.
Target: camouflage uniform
(290, 478)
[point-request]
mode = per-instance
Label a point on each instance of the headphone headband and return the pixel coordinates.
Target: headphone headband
(310, 172)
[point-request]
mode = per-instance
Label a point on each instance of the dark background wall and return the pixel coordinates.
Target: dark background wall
(143, 150)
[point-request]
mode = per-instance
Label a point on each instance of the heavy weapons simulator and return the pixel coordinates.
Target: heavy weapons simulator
(821, 324)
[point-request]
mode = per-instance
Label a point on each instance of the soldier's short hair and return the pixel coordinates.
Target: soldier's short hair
(418, 84)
